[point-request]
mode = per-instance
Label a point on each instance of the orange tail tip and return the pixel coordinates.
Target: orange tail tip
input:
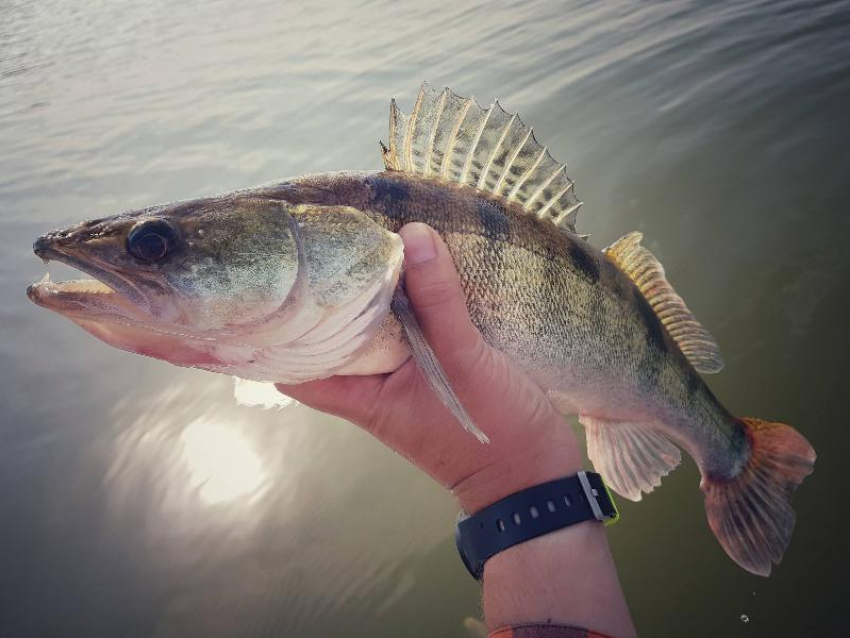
(751, 513)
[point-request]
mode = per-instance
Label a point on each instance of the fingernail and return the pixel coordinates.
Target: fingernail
(418, 243)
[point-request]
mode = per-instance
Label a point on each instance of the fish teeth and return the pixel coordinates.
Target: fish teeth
(46, 279)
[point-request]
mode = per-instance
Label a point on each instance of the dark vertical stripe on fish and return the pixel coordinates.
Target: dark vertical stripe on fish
(652, 362)
(496, 229)
(550, 314)
(654, 327)
(494, 223)
(391, 196)
(584, 261)
(694, 382)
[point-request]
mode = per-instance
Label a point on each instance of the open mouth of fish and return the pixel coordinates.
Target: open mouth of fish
(104, 292)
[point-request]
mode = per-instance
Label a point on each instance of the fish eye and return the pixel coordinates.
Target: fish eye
(151, 240)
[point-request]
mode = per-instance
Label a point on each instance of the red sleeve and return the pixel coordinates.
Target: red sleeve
(544, 631)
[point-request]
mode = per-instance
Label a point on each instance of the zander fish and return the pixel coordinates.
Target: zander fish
(295, 281)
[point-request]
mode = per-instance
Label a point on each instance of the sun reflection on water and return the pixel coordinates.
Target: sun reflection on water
(193, 461)
(221, 462)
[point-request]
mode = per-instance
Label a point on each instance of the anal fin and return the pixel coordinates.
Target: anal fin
(631, 457)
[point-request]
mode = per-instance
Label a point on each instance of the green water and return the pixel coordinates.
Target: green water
(137, 500)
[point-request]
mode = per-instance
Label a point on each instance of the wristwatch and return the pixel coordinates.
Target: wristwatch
(531, 513)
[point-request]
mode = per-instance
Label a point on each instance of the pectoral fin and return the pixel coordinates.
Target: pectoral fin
(429, 366)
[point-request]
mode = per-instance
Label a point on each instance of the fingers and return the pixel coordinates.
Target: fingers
(434, 289)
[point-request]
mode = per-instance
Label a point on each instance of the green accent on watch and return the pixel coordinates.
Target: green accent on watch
(616, 517)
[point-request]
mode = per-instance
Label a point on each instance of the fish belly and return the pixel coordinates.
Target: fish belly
(387, 351)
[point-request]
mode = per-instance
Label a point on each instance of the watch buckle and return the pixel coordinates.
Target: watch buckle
(592, 495)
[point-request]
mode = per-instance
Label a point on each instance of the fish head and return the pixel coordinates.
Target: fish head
(225, 284)
(179, 282)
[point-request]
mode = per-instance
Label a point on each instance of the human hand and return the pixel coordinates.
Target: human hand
(529, 441)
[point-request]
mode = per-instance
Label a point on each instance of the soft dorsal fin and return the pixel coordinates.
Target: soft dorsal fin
(453, 138)
(647, 273)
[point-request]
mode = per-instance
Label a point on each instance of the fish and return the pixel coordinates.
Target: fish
(303, 279)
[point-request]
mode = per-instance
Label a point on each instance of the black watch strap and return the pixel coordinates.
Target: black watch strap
(531, 513)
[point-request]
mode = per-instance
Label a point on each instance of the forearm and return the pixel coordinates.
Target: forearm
(563, 578)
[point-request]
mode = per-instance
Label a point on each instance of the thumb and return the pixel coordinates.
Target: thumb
(434, 289)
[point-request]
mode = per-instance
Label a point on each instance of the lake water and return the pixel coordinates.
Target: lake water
(136, 499)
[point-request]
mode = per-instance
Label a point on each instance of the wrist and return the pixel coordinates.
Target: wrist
(518, 470)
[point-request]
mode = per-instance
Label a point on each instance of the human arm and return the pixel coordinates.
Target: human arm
(566, 577)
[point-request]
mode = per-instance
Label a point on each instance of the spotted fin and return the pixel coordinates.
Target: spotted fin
(452, 138)
(631, 457)
(647, 273)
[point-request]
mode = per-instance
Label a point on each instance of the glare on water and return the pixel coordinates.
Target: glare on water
(221, 462)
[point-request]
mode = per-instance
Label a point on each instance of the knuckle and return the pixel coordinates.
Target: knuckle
(478, 355)
(372, 421)
(474, 363)
(434, 294)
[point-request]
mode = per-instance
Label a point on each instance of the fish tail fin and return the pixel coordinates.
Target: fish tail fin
(750, 513)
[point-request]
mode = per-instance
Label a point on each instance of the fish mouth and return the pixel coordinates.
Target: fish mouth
(106, 294)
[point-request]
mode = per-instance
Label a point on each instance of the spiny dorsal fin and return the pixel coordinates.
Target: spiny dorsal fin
(647, 273)
(453, 138)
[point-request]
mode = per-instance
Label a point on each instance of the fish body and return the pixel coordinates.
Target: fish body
(293, 281)
(563, 310)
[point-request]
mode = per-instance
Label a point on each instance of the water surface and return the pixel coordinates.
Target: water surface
(136, 499)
